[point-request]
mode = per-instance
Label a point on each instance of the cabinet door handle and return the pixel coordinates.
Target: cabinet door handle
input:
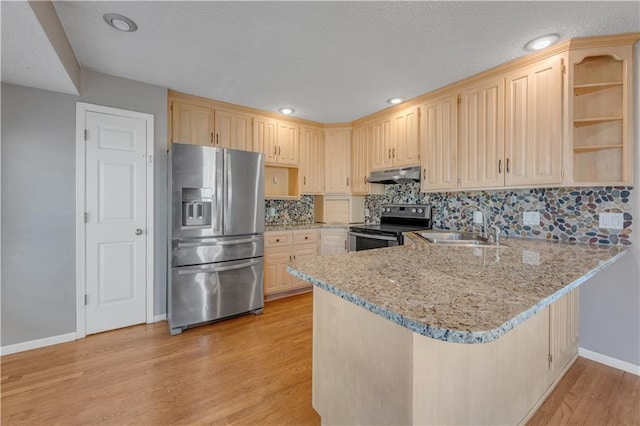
(279, 151)
(304, 180)
(217, 139)
(499, 166)
(393, 155)
(507, 166)
(275, 150)
(345, 244)
(364, 179)
(290, 259)
(306, 238)
(424, 173)
(347, 181)
(389, 152)
(212, 138)
(277, 240)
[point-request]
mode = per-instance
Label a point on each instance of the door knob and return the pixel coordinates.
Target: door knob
(138, 231)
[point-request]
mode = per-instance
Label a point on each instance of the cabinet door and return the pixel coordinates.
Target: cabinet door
(233, 130)
(482, 135)
(301, 252)
(563, 332)
(288, 143)
(381, 145)
(338, 161)
(533, 138)
(439, 144)
(264, 138)
(359, 160)
(311, 160)
(333, 241)
(276, 277)
(191, 124)
(405, 143)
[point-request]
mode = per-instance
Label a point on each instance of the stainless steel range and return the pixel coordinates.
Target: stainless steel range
(394, 220)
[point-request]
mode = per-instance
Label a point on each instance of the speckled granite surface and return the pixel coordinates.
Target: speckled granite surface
(458, 294)
(296, 226)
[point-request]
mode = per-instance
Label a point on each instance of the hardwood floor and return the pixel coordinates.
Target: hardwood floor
(252, 369)
(592, 394)
(249, 370)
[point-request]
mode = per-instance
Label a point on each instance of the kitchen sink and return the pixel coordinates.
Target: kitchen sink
(454, 238)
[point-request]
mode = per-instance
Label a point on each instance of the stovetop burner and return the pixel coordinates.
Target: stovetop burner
(399, 218)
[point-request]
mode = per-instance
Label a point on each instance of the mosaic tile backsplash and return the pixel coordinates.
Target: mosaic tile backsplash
(566, 214)
(289, 211)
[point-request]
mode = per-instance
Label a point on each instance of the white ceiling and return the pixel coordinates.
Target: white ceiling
(331, 61)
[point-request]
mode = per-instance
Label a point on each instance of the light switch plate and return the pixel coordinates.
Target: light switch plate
(611, 221)
(531, 218)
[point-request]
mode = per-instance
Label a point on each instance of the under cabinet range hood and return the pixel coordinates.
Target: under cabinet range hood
(391, 176)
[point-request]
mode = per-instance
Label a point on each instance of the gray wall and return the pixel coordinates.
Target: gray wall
(610, 301)
(38, 200)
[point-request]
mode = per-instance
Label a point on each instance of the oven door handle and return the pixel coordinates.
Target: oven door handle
(373, 237)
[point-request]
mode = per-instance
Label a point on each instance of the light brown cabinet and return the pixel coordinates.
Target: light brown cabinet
(233, 130)
(337, 161)
(334, 241)
(360, 160)
(395, 140)
(312, 162)
(192, 124)
(439, 146)
(264, 138)
(288, 143)
(601, 111)
(282, 248)
(277, 140)
(563, 332)
(533, 124)
(481, 137)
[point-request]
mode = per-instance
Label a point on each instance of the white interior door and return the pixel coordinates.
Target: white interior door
(115, 221)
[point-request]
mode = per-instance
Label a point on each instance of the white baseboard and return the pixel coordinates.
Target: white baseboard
(611, 362)
(159, 318)
(35, 344)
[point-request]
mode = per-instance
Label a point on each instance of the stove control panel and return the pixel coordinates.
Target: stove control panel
(409, 211)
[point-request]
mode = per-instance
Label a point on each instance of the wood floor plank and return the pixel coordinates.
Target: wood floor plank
(248, 370)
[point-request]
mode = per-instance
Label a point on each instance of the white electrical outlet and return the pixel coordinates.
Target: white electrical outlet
(611, 221)
(531, 218)
(366, 212)
(477, 216)
(272, 211)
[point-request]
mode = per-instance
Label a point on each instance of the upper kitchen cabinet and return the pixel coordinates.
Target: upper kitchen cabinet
(533, 124)
(439, 144)
(395, 140)
(191, 124)
(264, 138)
(337, 161)
(481, 137)
(312, 160)
(233, 130)
(288, 143)
(601, 115)
(360, 160)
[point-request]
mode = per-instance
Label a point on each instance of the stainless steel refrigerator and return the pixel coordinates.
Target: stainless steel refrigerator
(216, 218)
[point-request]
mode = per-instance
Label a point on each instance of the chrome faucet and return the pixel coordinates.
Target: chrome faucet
(485, 231)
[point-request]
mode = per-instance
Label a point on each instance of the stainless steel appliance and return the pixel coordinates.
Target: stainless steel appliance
(392, 176)
(394, 220)
(216, 217)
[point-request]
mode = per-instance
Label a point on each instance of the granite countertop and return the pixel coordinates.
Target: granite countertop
(297, 226)
(458, 294)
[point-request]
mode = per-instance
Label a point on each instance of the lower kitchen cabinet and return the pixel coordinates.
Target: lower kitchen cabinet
(334, 241)
(282, 248)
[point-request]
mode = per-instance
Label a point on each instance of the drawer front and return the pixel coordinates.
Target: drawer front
(306, 236)
(278, 239)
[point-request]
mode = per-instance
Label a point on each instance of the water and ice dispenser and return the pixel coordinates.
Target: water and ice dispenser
(196, 206)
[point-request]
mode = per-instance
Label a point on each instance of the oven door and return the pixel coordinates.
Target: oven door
(359, 241)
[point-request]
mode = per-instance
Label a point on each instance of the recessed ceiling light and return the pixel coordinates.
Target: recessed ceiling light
(286, 110)
(395, 101)
(119, 22)
(542, 42)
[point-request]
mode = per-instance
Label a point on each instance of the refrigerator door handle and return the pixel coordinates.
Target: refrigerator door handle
(219, 243)
(213, 268)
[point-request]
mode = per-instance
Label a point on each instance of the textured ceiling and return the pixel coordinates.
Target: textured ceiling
(331, 61)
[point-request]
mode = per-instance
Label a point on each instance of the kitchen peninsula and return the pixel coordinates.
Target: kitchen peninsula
(433, 334)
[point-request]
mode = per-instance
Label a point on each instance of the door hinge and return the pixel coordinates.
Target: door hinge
(562, 173)
(86, 134)
(550, 359)
(150, 159)
(564, 67)
(86, 299)
(86, 217)
(459, 99)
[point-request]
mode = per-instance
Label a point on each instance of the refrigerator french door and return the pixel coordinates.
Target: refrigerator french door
(217, 244)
